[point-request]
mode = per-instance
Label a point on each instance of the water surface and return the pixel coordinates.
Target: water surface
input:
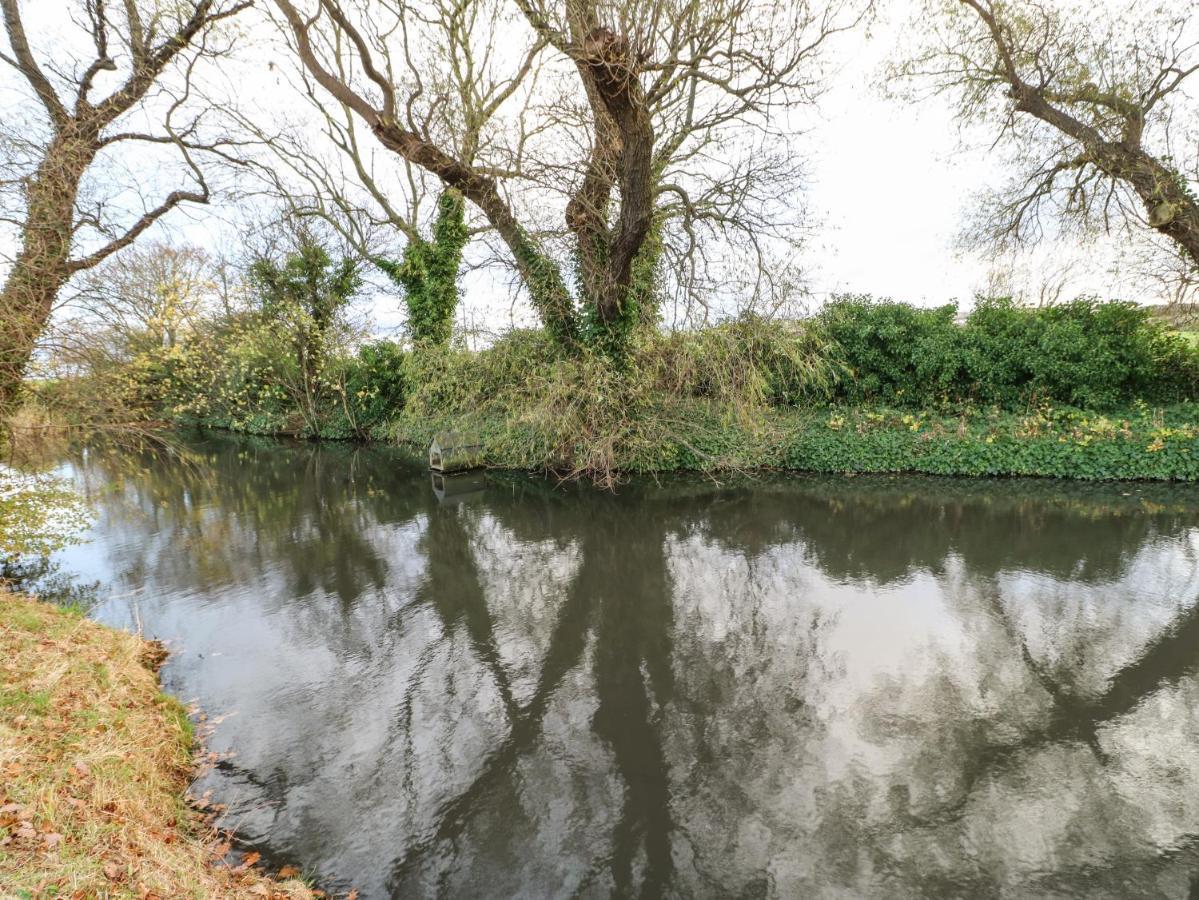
(783, 687)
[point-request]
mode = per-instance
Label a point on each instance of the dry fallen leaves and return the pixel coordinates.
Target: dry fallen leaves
(148, 850)
(247, 861)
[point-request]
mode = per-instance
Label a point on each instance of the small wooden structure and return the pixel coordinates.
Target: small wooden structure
(453, 451)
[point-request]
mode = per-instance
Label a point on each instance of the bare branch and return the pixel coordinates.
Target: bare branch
(24, 62)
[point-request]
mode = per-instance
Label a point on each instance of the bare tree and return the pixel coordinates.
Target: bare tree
(1040, 278)
(157, 292)
(136, 49)
(1094, 104)
(400, 217)
(625, 110)
(1169, 275)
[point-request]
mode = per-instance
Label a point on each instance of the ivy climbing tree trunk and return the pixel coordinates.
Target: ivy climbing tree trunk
(428, 272)
(78, 130)
(43, 263)
(655, 95)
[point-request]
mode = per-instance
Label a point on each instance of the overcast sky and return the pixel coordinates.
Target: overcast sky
(890, 183)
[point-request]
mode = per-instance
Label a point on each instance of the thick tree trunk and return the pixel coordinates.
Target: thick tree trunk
(1170, 208)
(621, 156)
(625, 142)
(42, 266)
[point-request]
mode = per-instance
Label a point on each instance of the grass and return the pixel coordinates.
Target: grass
(94, 766)
(590, 417)
(688, 435)
(749, 399)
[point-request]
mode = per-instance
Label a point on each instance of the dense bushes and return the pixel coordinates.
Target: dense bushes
(864, 386)
(1086, 353)
(893, 352)
(588, 414)
(242, 376)
(278, 363)
(374, 384)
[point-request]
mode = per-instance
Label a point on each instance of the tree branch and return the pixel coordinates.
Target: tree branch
(27, 65)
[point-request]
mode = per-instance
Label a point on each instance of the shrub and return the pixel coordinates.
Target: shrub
(234, 374)
(1000, 347)
(894, 352)
(1089, 354)
(374, 385)
(1085, 353)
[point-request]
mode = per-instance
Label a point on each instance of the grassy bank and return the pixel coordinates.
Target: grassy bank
(94, 764)
(1138, 443)
(1086, 390)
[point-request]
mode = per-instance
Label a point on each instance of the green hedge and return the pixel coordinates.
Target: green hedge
(1090, 354)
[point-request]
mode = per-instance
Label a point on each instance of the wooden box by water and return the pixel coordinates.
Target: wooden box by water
(454, 451)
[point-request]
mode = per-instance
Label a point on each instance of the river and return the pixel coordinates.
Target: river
(788, 687)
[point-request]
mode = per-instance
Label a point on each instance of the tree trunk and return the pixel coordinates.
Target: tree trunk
(428, 273)
(1171, 208)
(622, 155)
(42, 266)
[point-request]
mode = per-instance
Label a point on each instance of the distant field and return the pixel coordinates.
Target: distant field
(1192, 337)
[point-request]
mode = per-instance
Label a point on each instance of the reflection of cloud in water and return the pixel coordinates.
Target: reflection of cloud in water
(523, 583)
(1085, 632)
(812, 687)
(866, 716)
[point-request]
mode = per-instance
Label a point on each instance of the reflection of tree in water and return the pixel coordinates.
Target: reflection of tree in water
(45, 579)
(1003, 778)
(618, 605)
(239, 507)
(651, 694)
(882, 530)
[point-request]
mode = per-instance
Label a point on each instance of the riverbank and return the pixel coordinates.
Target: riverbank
(1139, 443)
(94, 766)
(1083, 390)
